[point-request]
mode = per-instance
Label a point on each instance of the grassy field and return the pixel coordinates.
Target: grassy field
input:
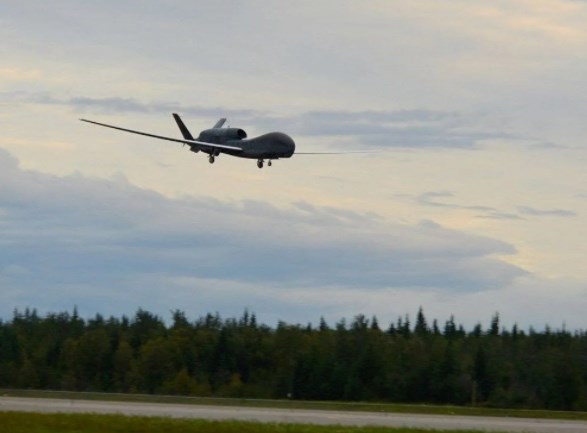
(297, 404)
(19, 422)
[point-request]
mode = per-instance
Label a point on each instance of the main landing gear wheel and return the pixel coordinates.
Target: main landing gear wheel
(269, 163)
(260, 163)
(211, 159)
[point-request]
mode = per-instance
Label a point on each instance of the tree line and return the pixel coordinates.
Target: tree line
(355, 360)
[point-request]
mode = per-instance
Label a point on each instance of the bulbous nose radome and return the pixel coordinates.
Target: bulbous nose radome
(286, 143)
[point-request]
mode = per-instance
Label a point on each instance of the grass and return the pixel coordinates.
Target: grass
(20, 422)
(299, 404)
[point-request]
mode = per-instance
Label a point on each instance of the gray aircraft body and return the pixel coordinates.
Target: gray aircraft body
(232, 141)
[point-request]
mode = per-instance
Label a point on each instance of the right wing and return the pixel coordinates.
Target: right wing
(336, 153)
(177, 140)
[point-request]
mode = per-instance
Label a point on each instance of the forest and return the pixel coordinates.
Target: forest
(351, 360)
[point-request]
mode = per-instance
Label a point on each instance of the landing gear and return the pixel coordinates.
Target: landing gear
(260, 163)
(211, 159)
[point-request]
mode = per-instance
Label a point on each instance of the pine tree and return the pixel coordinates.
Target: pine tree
(435, 329)
(421, 328)
(374, 324)
(323, 325)
(494, 328)
(391, 330)
(450, 328)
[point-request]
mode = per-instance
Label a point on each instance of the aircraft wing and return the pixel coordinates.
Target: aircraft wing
(335, 153)
(177, 140)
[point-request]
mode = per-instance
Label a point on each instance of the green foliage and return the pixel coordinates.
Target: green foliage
(352, 361)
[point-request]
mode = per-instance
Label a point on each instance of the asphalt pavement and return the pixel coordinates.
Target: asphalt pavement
(303, 416)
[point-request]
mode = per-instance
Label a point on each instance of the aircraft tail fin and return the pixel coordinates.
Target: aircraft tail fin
(184, 131)
(219, 123)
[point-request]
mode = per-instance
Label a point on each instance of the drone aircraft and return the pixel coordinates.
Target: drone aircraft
(232, 141)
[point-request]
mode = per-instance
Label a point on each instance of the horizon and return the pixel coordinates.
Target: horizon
(346, 321)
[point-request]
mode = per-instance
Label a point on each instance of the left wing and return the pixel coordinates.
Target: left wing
(161, 137)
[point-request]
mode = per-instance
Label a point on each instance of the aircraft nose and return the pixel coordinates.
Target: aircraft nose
(287, 142)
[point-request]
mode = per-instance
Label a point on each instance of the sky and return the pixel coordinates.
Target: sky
(473, 202)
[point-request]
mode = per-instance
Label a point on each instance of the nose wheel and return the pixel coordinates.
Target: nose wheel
(211, 159)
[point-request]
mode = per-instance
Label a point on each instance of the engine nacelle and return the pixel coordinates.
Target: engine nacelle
(222, 135)
(234, 133)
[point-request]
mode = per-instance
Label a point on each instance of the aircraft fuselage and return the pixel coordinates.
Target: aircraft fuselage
(273, 145)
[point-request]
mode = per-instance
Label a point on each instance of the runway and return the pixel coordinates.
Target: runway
(303, 416)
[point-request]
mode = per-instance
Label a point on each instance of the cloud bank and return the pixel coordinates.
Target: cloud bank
(439, 199)
(398, 129)
(59, 235)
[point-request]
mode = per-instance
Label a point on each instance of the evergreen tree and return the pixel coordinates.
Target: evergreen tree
(494, 328)
(374, 324)
(238, 357)
(323, 325)
(421, 328)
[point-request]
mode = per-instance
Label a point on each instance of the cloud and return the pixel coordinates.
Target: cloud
(547, 212)
(434, 199)
(430, 199)
(439, 199)
(420, 76)
(19, 74)
(122, 105)
(496, 215)
(400, 129)
(103, 236)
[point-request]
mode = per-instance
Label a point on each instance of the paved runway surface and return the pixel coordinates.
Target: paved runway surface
(47, 405)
